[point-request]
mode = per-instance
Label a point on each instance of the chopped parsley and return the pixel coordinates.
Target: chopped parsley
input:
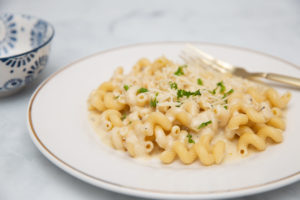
(226, 102)
(142, 90)
(222, 87)
(199, 81)
(228, 93)
(173, 85)
(204, 124)
(179, 104)
(123, 116)
(182, 93)
(190, 140)
(154, 101)
(213, 91)
(126, 87)
(116, 97)
(179, 71)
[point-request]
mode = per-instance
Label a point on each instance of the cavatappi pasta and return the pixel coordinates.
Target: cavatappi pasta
(186, 112)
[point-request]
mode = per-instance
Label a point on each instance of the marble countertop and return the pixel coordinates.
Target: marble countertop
(86, 27)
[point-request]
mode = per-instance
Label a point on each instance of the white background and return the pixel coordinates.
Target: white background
(86, 27)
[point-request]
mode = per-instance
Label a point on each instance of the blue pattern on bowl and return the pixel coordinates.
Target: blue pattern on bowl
(10, 37)
(24, 49)
(38, 33)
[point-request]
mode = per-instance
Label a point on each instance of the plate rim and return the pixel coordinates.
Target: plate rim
(139, 192)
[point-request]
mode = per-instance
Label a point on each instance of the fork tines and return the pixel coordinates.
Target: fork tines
(193, 55)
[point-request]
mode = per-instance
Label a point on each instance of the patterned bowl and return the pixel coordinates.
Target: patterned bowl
(24, 50)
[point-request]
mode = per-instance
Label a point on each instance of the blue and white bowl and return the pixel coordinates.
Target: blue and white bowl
(24, 50)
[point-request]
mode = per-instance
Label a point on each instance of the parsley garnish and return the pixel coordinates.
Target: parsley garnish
(142, 90)
(199, 81)
(189, 136)
(204, 124)
(126, 87)
(180, 103)
(116, 97)
(226, 107)
(179, 71)
(154, 101)
(173, 85)
(213, 92)
(228, 93)
(123, 116)
(181, 93)
(222, 87)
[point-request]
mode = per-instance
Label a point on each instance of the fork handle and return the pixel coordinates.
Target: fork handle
(283, 79)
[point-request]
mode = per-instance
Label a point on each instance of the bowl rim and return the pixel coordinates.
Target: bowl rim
(36, 48)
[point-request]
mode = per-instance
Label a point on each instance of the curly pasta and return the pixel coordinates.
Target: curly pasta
(187, 113)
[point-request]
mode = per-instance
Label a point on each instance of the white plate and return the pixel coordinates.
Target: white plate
(59, 126)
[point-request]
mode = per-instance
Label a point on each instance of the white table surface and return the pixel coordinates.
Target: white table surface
(86, 27)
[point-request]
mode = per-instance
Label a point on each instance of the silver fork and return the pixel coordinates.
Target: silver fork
(195, 55)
